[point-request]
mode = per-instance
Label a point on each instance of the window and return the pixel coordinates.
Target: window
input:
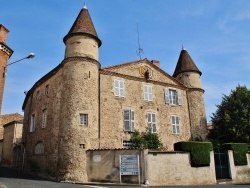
(32, 123)
(119, 88)
(148, 96)
(47, 90)
(83, 119)
(152, 122)
(175, 124)
(44, 118)
(128, 120)
(127, 144)
(37, 95)
(173, 96)
(39, 148)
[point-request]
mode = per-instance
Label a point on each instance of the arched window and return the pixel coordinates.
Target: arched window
(39, 148)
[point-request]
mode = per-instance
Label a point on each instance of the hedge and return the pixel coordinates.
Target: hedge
(199, 152)
(239, 152)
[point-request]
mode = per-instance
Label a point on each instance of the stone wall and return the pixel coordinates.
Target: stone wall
(11, 139)
(112, 133)
(44, 164)
(239, 174)
(7, 118)
(104, 166)
(172, 169)
(197, 113)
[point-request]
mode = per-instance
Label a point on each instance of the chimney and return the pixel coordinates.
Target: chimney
(3, 33)
(156, 63)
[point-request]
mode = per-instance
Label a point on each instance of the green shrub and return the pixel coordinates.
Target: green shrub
(146, 140)
(239, 152)
(199, 152)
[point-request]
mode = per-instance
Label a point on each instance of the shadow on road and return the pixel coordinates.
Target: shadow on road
(15, 173)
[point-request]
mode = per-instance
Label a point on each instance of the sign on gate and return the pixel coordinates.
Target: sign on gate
(129, 165)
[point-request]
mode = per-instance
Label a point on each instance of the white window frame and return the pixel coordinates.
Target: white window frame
(173, 96)
(32, 123)
(44, 118)
(128, 120)
(151, 121)
(83, 119)
(119, 88)
(175, 122)
(148, 92)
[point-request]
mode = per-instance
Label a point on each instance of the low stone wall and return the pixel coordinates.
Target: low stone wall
(104, 166)
(239, 174)
(173, 168)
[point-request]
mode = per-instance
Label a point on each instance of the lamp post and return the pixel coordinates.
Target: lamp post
(30, 56)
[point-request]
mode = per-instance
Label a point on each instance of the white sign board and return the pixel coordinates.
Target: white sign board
(129, 165)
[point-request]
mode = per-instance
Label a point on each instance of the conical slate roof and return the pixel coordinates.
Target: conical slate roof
(185, 64)
(83, 25)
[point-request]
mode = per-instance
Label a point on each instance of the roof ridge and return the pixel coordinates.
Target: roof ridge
(124, 64)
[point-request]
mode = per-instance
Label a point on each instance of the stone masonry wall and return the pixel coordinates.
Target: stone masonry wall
(112, 134)
(174, 169)
(198, 114)
(44, 164)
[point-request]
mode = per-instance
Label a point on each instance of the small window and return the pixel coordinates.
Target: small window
(152, 122)
(83, 119)
(175, 124)
(173, 96)
(37, 95)
(39, 148)
(44, 118)
(128, 120)
(148, 94)
(119, 88)
(127, 144)
(47, 90)
(32, 123)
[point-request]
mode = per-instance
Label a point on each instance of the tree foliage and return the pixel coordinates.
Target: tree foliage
(231, 121)
(146, 140)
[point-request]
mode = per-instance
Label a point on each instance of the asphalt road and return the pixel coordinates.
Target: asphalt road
(10, 178)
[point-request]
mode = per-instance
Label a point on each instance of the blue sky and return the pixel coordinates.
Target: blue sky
(216, 33)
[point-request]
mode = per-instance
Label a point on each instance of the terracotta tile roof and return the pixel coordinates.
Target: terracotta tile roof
(185, 64)
(83, 25)
(7, 118)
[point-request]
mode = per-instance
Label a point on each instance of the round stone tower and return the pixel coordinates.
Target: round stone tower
(187, 72)
(79, 105)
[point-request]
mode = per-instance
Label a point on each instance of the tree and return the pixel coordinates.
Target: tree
(231, 121)
(146, 140)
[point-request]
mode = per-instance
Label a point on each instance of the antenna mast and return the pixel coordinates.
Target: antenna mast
(140, 50)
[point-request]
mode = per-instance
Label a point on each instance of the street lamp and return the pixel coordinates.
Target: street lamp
(31, 55)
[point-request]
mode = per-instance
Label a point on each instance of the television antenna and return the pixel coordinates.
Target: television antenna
(140, 50)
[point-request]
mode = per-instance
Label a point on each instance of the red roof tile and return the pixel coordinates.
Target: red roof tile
(185, 64)
(83, 25)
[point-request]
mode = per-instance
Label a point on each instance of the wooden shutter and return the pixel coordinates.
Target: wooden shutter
(150, 93)
(132, 126)
(179, 98)
(154, 123)
(121, 88)
(146, 92)
(116, 87)
(166, 91)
